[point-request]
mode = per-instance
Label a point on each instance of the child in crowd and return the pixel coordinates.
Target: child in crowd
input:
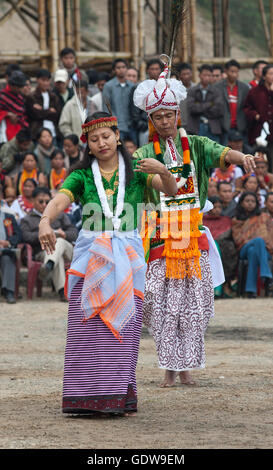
(72, 150)
(58, 171)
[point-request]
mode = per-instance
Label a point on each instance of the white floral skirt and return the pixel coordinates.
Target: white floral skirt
(177, 313)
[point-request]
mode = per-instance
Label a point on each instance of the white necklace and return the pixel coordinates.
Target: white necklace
(102, 195)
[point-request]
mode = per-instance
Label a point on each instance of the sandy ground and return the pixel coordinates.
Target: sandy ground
(231, 407)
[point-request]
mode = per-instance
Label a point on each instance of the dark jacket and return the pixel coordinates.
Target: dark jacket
(139, 117)
(60, 98)
(211, 108)
(259, 101)
(37, 116)
(243, 90)
(30, 229)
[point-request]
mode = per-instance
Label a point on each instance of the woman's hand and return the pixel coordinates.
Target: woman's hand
(151, 166)
(249, 163)
(47, 236)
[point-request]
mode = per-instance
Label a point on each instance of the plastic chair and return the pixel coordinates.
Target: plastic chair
(32, 275)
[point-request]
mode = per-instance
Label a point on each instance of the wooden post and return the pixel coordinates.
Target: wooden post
(134, 33)
(217, 40)
(68, 25)
(53, 35)
(77, 22)
(111, 24)
(119, 27)
(126, 25)
(61, 31)
(42, 30)
(265, 26)
(226, 36)
(142, 67)
(192, 9)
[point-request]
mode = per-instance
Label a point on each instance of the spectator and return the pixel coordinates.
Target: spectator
(234, 93)
(26, 90)
(68, 62)
(217, 74)
(43, 108)
(97, 98)
(204, 107)
(44, 149)
(54, 264)
(70, 120)
(236, 142)
(212, 188)
(258, 109)
(139, 121)
(10, 69)
(117, 93)
(24, 203)
(130, 145)
(10, 236)
(12, 152)
(92, 76)
(5, 180)
(269, 204)
(61, 89)
(154, 68)
(58, 172)
(72, 150)
(184, 73)
(12, 107)
(257, 72)
(132, 74)
(29, 171)
(220, 227)
(252, 234)
(10, 195)
(265, 178)
(226, 197)
(250, 183)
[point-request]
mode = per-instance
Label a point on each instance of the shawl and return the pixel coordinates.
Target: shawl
(14, 103)
(258, 226)
(217, 225)
(42, 155)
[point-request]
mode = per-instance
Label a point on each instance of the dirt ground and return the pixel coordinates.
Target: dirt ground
(231, 406)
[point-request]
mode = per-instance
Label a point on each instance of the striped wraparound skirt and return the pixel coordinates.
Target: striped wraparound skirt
(177, 313)
(99, 371)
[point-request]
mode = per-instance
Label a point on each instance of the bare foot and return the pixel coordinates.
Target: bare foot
(169, 379)
(129, 414)
(185, 378)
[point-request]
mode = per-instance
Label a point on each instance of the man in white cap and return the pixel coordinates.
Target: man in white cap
(61, 89)
(179, 297)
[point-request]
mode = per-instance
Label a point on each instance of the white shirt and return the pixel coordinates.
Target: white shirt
(46, 123)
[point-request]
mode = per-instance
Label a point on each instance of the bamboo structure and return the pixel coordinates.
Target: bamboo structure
(58, 25)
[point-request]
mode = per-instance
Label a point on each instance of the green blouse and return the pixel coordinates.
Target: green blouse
(80, 186)
(204, 153)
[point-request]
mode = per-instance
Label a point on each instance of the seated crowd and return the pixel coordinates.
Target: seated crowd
(40, 128)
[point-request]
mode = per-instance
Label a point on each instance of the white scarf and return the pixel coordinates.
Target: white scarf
(102, 195)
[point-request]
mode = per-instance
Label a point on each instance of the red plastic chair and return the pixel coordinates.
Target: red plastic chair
(32, 275)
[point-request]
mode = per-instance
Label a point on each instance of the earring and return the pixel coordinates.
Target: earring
(119, 142)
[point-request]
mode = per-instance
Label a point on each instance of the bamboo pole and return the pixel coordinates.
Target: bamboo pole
(61, 29)
(134, 33)
(184, 37)
(217, 42)
(226, 25)
(126, 25)
(158, 19)
(119, 28)
(192, 9)
(24, 19)
(265, 26)
(53, 27)
(142, 67)
(10, 12)
(68, 25)
(103, 55)
(77, 22)
(42, 29)
(111, 25)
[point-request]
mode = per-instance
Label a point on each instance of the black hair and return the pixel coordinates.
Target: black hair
(240, 212)
(92, 76)
(88, 158)
(41, 130)
(12, 68)
(43, 73)
(66, 51)
(30, 153)
(35, 184)
(261, 149)
(246, 178)
(41, 190)
(56, 152)
(153, 62)
(103, 76)
(232, 63)
(24, 135)
(214, 199)
(116, 61)
(220, 183)
(73, 137)
(205, 67)
(265, 70)
(183, 66)
(81, 84)
(217, 67)
(259, 62)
